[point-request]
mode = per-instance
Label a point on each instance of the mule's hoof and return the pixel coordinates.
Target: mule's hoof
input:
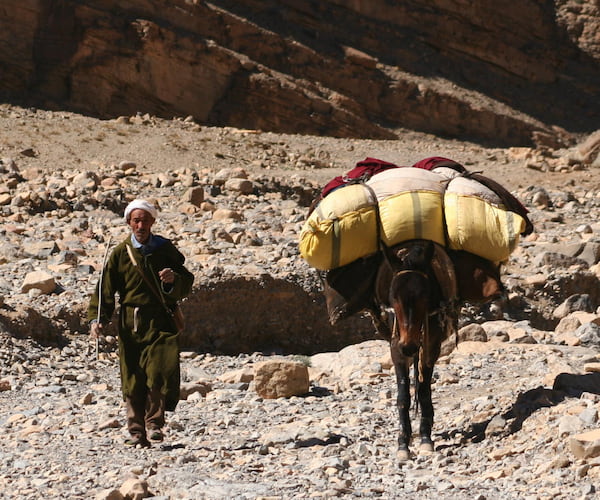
(403, 455)
(426, 448)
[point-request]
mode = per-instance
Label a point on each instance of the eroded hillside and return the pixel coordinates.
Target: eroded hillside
(486, 71)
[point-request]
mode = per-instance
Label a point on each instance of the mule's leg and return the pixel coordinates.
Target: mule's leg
(424, 396)
(402, 364)
(432, 349)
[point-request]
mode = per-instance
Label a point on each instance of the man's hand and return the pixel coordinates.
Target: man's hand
(96, 330)
(167, 275)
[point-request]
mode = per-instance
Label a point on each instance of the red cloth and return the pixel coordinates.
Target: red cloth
(367, 168)
(364, 170)
(438, 161)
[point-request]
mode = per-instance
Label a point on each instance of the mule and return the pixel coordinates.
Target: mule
(416, 310)
(416, 297)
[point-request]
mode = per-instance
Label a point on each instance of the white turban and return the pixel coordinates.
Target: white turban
(143, 205)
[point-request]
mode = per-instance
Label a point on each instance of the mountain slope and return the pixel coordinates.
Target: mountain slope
(485, 71)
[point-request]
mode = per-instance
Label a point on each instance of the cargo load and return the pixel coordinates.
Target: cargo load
(436, 200)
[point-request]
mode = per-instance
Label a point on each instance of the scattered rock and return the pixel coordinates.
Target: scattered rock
(586, 445)
(38, 280)
(512, 401)
(280, 379)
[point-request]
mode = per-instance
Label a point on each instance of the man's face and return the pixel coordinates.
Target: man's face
(140, 223)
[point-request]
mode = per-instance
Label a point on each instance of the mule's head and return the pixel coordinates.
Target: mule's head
(409, 297)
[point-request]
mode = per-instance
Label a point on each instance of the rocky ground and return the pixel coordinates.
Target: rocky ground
(508, 424)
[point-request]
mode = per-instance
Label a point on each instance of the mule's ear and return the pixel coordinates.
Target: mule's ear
(428, 250)
(392, 254)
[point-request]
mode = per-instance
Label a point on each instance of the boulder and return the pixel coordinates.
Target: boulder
(280, 379)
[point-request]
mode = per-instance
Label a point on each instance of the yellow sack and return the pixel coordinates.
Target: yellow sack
(342, 229)
(410, 204)
(412, 215)
(480, 227)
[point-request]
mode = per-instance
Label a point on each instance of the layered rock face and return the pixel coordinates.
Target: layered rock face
(484, 70)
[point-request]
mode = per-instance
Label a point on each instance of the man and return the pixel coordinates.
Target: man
(148, 273)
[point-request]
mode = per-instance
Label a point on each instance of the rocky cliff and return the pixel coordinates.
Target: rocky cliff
(495, 71)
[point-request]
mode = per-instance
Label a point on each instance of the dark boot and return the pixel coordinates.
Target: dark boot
(135, 420)
(155, 414)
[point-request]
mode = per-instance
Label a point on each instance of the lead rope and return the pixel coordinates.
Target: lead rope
(100, 293)
(422, 350)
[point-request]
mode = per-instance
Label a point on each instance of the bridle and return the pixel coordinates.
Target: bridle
(411, 271)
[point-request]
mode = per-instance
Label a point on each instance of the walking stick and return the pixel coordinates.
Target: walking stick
(100, 289)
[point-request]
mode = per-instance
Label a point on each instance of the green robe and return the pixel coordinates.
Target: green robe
(148, 338)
